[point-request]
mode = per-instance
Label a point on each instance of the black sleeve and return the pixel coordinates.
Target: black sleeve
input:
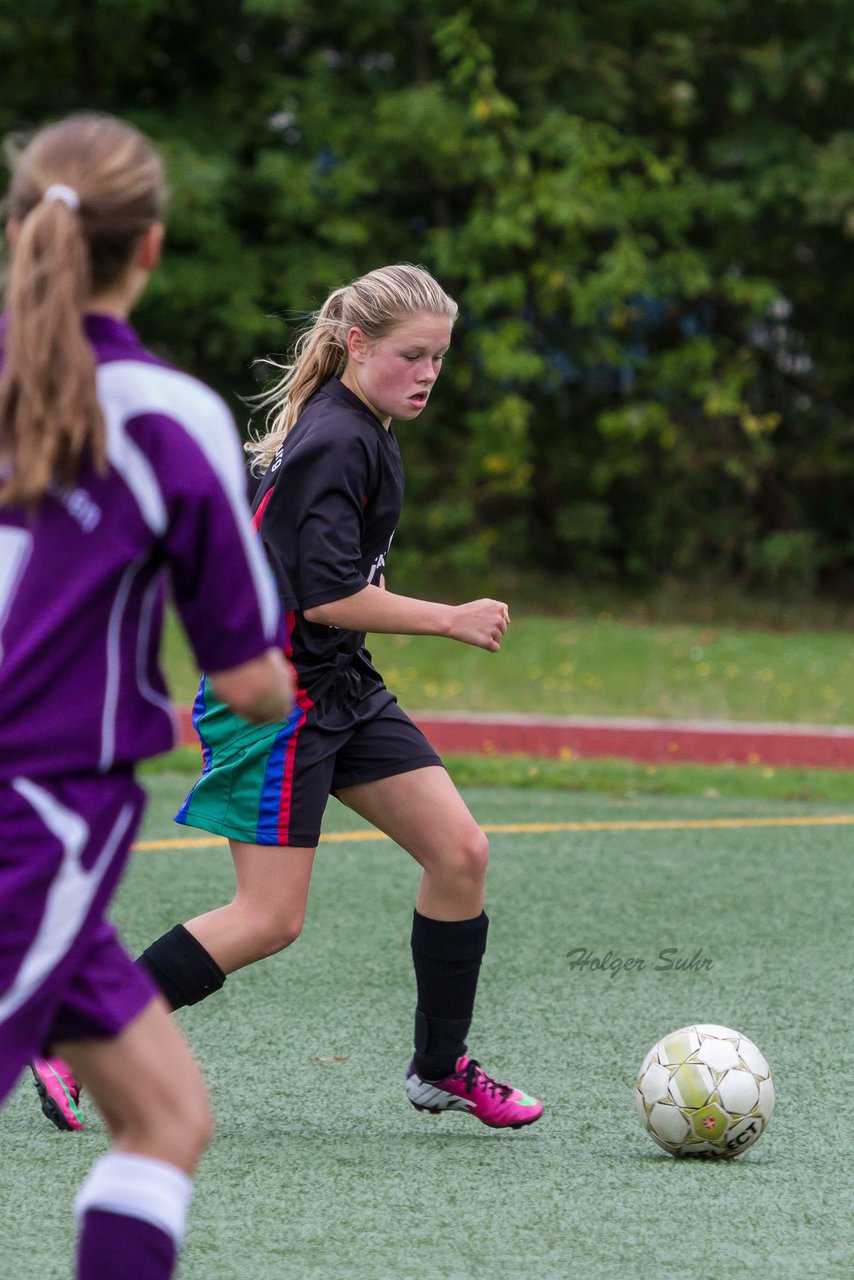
(314, 522)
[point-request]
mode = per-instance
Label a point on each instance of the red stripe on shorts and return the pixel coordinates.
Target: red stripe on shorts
(305, 704)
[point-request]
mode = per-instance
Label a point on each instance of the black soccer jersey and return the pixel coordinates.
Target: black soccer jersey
(327, 509)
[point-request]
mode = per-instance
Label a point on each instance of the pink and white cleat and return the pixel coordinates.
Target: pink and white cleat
(470, 1089)
(59, 1092)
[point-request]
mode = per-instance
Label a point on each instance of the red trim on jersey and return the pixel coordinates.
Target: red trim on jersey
(305, 704)
(262, 507)
(287, 642)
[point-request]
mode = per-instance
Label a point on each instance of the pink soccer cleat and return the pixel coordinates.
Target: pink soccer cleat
(470, 1089)
(59, 1092)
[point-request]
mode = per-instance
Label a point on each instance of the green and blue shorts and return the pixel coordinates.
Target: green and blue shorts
(269, 784)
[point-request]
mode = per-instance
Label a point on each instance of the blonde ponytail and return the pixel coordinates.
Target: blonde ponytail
(318, 353)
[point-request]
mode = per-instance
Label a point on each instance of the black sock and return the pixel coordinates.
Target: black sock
(181, 967)
(447, 956)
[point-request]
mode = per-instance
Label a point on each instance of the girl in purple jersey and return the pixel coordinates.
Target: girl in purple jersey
(116, 472)
(326, 509)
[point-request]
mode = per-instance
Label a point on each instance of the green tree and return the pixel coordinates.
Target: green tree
(645, 210)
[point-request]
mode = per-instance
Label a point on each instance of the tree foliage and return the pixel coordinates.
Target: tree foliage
(645, 210)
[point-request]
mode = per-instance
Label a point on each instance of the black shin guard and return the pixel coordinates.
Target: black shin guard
(447, 956)
(183, 970)
(439, 1042)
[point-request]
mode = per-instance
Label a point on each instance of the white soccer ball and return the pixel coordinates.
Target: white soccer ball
(705, 1091)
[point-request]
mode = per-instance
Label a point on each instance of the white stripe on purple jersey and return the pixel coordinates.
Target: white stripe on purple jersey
(82, 584)
(127, 389)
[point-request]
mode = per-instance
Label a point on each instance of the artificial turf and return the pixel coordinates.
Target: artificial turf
(321, 1169)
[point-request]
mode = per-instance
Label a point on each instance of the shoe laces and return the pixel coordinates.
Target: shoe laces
(474, 1077)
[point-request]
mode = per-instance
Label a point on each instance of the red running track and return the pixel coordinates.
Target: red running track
(647, 741)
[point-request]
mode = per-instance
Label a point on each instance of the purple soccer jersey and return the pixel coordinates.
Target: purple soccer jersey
(82, 583)
(82, 698)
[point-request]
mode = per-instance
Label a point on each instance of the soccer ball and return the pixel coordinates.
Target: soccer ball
(704, 1091)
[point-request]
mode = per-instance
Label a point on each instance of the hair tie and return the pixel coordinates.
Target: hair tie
(66, 195)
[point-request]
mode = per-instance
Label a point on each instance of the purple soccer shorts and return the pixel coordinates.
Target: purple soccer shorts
(64, 975)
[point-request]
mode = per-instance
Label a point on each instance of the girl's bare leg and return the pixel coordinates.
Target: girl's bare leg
(132, 1207)
(148, 1088)
(423, 812)
(268, 908)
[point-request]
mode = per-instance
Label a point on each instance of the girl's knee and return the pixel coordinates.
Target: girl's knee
(196, 1119)
(478, 850)
(472, 856)
(175, 1125)
(273, 932)
(185, 1129)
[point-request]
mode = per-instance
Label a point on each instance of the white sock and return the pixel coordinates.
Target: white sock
(138, 1187)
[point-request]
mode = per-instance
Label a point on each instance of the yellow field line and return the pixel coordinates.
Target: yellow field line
(537, 828)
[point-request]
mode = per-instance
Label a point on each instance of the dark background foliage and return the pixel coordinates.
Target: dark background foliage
(645, 210)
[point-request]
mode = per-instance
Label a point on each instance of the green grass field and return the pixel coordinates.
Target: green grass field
(603, 665)
(320, 1170)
